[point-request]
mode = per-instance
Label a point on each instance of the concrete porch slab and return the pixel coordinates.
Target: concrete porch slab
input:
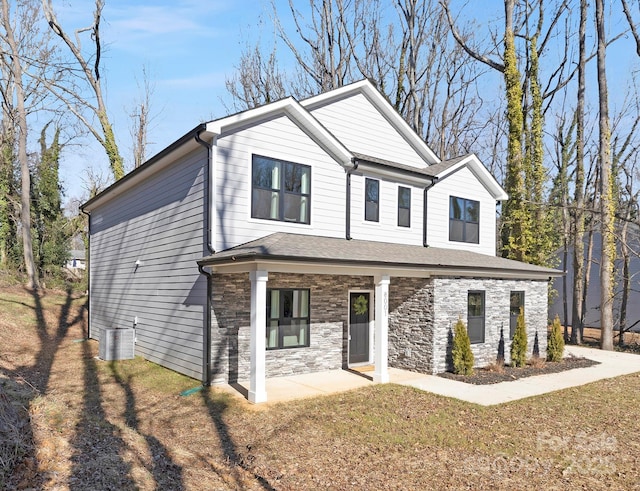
(611, 364)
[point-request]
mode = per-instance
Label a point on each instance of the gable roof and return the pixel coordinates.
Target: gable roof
(444, 169)
(379, 101)
(288, 247)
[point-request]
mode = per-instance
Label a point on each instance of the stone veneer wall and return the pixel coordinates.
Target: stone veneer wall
(411, 324)
(329, 310)
(450, 302)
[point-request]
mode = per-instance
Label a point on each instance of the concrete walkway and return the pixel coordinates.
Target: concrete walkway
(611, 364)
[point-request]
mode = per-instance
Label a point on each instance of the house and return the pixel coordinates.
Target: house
(76, 260)
(592, 304)
(303, 236)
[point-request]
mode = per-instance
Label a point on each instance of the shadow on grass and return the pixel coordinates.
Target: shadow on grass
(238, 462)
(166, 473)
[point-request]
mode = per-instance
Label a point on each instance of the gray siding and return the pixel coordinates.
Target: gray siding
(160, 223)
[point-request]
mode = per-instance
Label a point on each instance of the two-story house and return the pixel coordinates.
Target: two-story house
(304, 236)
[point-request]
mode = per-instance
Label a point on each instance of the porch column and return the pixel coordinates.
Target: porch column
(257, 382)
(381, 372)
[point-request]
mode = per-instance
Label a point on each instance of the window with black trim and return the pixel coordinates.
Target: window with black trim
(516, 302)
(372, 200)
(464, 217)
(287, 318)
(281, 190)
(404, 207)
(475, 316)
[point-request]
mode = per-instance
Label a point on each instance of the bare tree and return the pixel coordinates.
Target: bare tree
(141, 118)
(607, 205)
(73, 96)
(19, 49)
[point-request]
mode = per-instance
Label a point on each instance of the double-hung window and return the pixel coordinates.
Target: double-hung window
(464, 217)
(475, 316)
(372, 200)
(404, 207)
(280, 190)
(287, 318)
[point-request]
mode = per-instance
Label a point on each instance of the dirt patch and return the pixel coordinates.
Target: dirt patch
(493, 375)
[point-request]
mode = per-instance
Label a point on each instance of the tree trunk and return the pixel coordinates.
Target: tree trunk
(577, 318)
(606, 198)
(21, 120)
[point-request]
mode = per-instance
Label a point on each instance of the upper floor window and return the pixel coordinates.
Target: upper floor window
(404, 207)
(287, 318)
(280, 190)
(464, 217)
(372, 200)
(475, 316)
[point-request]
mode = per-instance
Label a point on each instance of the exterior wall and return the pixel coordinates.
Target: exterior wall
(462, 184)
(359, 126)
(411, 325)
(159, 223)
(387, 228)
(450, 303)
(278, 138)
(329, 311)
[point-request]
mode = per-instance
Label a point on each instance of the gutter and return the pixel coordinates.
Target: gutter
(206, 335)
(433, 182)
(88, 270)
(348, 206)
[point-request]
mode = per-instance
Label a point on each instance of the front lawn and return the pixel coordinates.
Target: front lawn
(124, 425)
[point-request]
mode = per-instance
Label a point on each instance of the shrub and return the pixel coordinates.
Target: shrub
(555, 342)
(519, 343)
(461, 351)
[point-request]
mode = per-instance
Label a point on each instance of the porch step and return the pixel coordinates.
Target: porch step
(363, 368)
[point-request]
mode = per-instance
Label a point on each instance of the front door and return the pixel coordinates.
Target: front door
(358, 327)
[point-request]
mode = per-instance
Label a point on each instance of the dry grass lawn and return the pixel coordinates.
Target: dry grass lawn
(70, 421)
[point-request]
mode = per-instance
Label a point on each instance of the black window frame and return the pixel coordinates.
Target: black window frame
(284, 321)
(467, 223)
(513, 317)
(367, 216)
(402, 189)
(281, 190)
(476, 322)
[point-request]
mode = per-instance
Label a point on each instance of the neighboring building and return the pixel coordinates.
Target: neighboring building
(304, 236)
(77, 260)
(592, 312)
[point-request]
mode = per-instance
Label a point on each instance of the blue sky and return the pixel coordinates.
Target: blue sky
(188, 48)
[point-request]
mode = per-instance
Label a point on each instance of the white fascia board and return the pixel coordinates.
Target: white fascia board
(480, 171)
(379, 101)
(299, 115)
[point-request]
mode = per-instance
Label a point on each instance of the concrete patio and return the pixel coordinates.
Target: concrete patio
(611, 364)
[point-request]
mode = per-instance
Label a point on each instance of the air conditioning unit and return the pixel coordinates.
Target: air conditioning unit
(117, 344)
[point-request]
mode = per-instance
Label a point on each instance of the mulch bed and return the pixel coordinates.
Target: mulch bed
(484, 376)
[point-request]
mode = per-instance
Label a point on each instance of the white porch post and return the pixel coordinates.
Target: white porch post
(257, 383)
(381, 372)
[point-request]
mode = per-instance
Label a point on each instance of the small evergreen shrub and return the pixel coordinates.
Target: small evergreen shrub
(519, 343)
(555, 341)
(461, 351)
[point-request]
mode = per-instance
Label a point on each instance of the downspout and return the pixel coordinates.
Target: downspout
(88, 271)
(206, 341)
(433, 182)
(348, 205)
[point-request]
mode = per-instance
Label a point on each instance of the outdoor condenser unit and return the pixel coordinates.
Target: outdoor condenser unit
(117, 344)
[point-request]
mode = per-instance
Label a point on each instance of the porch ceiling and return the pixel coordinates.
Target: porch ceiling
(286, 252)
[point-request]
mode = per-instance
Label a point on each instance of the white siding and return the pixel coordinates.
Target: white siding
(361, 128)
(462, 184)
(387, 229)
(278, 138)
(161, 224)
